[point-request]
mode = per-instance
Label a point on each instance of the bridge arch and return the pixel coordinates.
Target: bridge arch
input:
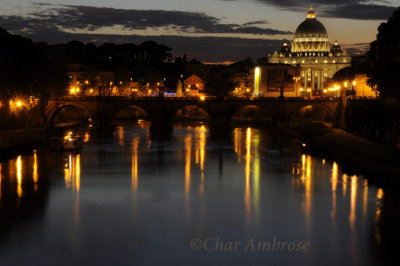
(253, 113)
(141, 111)
(58, 107)
(314, 111)
(191, 111)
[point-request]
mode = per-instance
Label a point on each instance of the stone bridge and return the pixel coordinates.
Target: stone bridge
(163, 110)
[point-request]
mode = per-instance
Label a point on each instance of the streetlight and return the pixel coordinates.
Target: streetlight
(309, 95)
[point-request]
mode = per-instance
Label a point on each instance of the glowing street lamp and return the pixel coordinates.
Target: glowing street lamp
(16, 104)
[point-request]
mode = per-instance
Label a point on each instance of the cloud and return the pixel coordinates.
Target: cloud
(61, 24)
(362, 12)
(349, 9)
(257, 22)
(88, 18)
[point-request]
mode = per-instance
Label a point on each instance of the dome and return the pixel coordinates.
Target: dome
(336, 49)
(285, 49)
(311, 38)
(311, 27)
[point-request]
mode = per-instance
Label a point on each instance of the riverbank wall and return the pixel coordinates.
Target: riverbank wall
(357, 154)
(21, 140)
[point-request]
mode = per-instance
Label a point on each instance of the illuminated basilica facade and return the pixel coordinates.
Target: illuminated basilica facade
(310, 49)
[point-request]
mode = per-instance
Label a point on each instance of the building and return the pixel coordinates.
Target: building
(242, 81)
(318, 59)
(84, 81)
(358, 87)
(276, 80)
(194, 85)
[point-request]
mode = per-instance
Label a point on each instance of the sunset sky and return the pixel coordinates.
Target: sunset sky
(209, 30)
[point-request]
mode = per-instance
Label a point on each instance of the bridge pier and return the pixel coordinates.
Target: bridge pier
(219, 127)
(340, 117)
(161, 118)
(160, 127)
(102, 122)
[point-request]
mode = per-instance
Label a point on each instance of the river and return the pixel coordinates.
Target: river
(251, 199)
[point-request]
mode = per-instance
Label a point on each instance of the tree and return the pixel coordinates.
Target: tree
(384, 58)
(219, 83)
(286, 80)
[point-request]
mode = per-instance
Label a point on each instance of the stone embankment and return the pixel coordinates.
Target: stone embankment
(15, 141)
(379, 161)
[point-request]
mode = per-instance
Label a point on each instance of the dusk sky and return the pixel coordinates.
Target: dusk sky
(209, 30)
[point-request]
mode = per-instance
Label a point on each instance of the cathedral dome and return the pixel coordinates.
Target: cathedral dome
(311, 37)
(310, 28)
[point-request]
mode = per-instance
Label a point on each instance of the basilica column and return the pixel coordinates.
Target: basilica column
(322, 79)
(312, 79)
(305, 80)
(319, 79)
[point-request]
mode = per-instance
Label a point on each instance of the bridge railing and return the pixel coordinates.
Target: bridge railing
(197, 99)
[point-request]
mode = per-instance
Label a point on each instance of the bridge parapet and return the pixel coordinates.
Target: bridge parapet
(162, 110)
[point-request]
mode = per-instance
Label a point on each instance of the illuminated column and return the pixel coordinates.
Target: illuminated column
(257, 76)
(322, 79)
(319, 79)
(305, 79)
(312, 78)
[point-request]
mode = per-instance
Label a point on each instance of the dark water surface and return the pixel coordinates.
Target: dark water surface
(252, 199)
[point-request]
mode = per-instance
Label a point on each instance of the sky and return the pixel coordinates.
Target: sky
(208, 30)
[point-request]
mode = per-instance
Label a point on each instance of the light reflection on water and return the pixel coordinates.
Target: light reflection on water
(193, 187)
